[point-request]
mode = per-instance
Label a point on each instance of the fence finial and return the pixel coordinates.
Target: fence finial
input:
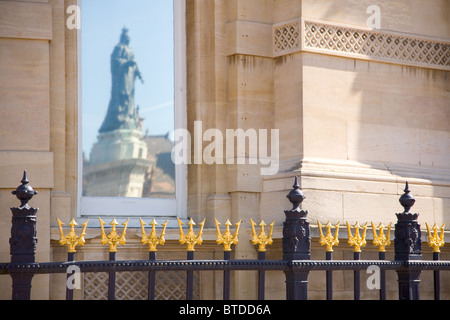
(72, 240)
(262, 240)
(24, 192)
(190, 238)
(407, 200)
(227, 239)
(381, 240)
(357, 241)
(296, 195)
(435, 240)
(328, 240)
(152, 239)
(113, 239)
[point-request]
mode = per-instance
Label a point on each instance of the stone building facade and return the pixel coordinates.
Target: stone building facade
(360, 108)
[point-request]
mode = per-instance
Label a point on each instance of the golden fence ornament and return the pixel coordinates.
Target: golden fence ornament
(72, 240)
(190, 238)
(357, 241)
(227, 239)
(328, 240)
(381, 240)
(262, 240)
(113, 239)
(152, 240)
(435, 240)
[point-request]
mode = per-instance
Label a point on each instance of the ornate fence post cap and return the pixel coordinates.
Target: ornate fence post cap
(24, 192)
(407, 242)
(407, 200)
(296, 195)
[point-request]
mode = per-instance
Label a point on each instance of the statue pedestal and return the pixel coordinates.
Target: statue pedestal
(122, 178)
(118, 166)
(117, 145)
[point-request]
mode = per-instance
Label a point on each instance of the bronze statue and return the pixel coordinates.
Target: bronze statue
(122, 113)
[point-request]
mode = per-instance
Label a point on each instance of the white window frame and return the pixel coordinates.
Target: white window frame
(135, 208)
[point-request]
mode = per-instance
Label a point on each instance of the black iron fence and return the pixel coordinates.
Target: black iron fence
(296, 263)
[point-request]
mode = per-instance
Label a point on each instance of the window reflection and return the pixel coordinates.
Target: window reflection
(130, 156)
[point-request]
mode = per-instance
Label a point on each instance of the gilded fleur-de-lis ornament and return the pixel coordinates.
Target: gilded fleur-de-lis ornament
(113, 239)
(262, 240)
(328, 240)
(435, 240)
(381, 240)
(152, 240)
(72, 240)
(190, 239)
(357, 241)
(227, 239)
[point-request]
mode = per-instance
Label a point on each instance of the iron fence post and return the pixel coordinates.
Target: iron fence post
(408, 246)
(23, 239)
(296, 245)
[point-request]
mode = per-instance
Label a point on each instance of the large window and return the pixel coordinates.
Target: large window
(132, 99)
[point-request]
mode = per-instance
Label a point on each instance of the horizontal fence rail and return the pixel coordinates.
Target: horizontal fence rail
(296, 242)
(220, 265)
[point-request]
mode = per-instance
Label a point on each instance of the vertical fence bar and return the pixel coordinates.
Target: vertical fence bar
(436, 279)
(72, 240)
(329, 241)
(151, 277)
(329, 277)
(261, 278)
(152, 241)
(296, 245)
(356, 278)
(436, 241)
(23, 239)
(226, 277)
(112, 279)
(113, 240)
(191, 240)
(262, 240)
(357, 241)
(69, 290)
(382, 241)
(190, 278)
(227, 240)
(382, 256)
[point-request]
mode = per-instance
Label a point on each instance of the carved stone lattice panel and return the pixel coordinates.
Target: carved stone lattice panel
(287, 37)
(170, 285)
(368, 44)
